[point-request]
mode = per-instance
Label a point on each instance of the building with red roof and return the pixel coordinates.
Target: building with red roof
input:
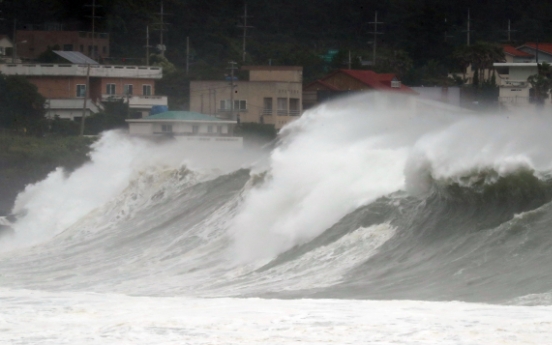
(346, 81)
(539, 51)
(513, 54)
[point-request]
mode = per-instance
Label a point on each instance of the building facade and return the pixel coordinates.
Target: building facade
(272, 95)
(5, 46)
(64, 87)
(35, 42)
(514, 90)
(189, 128)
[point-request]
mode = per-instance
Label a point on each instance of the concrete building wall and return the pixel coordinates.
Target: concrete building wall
(291, 75)
(59, 87)
(145, 129)
(137, 85)
(206, 97)
(37, 42)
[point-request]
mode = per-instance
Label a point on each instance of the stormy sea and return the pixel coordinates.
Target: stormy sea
(374, 219)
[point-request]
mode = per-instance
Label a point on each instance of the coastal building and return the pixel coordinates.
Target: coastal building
(36, 42)
(188, 127)
(5, 45)
(346, 81)
(64, 86)
(272, 95)
(514, 90)
(541, 52)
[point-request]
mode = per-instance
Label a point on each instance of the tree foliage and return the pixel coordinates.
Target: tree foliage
(21, 106)
(541, 83)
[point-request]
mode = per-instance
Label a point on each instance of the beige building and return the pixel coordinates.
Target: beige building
(5, 45)
(272, 95)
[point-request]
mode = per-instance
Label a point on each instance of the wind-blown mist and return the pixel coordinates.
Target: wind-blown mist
(372, 196)
(349, 153)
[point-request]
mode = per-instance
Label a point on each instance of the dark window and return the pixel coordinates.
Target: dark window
(110, 89)
(81, 90)
(68, 47)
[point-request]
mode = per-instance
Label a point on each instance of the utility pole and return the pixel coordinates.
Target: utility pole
(468, 31)
(86, 95)
(147, 45)
(161, 28)
(187, 55)
(93, 28)
(232, 68)
(245, 27)
(14, 51)
(376, 33)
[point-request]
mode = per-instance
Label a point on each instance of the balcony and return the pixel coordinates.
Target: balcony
(514, 83)
(267, 112)
(294, 112)
(135, 101)
(71, 70)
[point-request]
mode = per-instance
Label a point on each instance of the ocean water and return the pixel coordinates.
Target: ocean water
(374, 219)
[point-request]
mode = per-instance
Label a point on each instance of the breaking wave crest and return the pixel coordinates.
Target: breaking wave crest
(373, 196)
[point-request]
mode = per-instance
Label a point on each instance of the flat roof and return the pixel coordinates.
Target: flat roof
(181, 116)
(272, 68)
(515, 64)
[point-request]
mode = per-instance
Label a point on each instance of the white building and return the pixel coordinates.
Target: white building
(514, 89)
(187, 127)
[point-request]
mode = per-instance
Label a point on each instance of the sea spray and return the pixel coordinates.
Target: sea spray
(49, 207)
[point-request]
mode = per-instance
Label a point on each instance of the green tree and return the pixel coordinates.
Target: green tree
(21, 106)
(541, 83)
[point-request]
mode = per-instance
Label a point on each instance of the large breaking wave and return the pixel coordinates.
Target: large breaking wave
(375, 196)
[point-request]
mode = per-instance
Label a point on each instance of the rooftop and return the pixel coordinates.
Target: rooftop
(181, 116)
(78, 70)
(508, 49)
(543, 47)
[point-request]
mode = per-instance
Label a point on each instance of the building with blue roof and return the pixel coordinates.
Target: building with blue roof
(187, 127)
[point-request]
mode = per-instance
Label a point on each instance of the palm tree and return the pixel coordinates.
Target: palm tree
(541, 83)
(481, 56)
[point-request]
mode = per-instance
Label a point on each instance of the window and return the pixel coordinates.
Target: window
(282, 106)
(209, 129)
(82, 48)
(294, 108)
(267, 106)
(2, 51)
(239, 105)
(128, 89)
(89, 50)
(219, 129)
(195, 129)
(146, 90)
(81, 90)
(104, 49)
(68, 47)
(110, 89)
(166, 128)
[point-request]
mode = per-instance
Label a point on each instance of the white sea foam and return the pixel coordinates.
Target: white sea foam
(37, 318)
(49, 207)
